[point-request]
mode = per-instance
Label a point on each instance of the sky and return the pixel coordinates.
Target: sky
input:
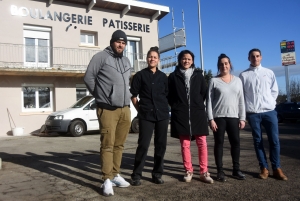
(234, 27)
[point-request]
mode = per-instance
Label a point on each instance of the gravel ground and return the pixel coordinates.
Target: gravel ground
(66, 168)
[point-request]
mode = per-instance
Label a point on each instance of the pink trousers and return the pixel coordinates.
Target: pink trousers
(186, 152)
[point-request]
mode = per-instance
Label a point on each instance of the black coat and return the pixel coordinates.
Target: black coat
(152, 89)
(187, 120)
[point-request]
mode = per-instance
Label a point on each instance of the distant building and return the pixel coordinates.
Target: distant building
(45, 47)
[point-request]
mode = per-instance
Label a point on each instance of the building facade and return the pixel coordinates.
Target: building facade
(46, 45)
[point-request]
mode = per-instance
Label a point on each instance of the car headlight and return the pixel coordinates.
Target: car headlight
(59, 117)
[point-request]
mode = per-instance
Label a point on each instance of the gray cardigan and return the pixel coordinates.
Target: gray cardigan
(107, 78)
(225, 99)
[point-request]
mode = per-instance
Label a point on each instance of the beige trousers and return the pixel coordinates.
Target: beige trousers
(114, 128)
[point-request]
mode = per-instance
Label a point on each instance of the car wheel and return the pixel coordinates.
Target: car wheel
(135, 125)
(77, 128)
(280, 119)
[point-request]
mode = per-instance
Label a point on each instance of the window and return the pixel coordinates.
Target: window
(36, 46)
(81, 91)
(37, 97)
(88, 38)
(132, 49)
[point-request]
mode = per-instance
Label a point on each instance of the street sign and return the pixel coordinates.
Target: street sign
(288, 55)
(288, 58)
(287, 46)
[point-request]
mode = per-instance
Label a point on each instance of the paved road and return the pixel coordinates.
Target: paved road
(67, 168)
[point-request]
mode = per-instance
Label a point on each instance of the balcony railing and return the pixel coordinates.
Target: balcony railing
(61, 58)
(168, 62)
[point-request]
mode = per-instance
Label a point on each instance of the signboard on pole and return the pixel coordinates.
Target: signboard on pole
(288, 55)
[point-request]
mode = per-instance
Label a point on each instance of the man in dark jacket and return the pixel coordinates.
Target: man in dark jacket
(107, 79)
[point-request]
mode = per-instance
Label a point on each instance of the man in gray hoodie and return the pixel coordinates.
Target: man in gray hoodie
(107, 79)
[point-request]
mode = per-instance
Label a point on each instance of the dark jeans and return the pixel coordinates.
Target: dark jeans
(270, 122)
(160, 142)
(231, 126)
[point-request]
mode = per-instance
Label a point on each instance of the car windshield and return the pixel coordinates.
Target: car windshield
(82, 102)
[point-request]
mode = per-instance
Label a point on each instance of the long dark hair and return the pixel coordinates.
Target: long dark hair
(183, 52)
(222, 56)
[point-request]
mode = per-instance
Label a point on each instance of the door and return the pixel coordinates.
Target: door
(93, 123)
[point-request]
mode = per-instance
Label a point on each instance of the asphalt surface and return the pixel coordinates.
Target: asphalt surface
(67, 168)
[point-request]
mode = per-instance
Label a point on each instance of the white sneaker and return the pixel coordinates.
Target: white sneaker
(119, 182)
(107, 188)
(188, 176)
(205, 177)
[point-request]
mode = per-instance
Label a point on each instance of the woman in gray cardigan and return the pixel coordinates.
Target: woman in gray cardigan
(226, 112)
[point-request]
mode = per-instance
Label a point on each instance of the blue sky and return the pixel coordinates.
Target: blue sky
(234, 27)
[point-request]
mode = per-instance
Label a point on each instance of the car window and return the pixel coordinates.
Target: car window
(295, 107)
(82, 102)
(88, 107)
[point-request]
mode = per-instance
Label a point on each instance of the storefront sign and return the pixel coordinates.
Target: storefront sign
(126, 25)
(77, 19)
(38, 14)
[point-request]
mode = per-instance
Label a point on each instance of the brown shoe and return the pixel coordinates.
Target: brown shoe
(264, 173)
(278, 174)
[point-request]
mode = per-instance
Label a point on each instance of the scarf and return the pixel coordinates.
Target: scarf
(187, 76)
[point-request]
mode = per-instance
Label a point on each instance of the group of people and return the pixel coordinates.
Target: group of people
(224, 106)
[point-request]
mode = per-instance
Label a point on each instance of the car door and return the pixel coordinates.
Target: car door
(287, 111)
(298, 111)
(295, 111)
(93, 123)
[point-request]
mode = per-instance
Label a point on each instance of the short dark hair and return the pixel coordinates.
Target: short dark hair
(222, 56)
(254, 50)
(183, 52)
(153, 49)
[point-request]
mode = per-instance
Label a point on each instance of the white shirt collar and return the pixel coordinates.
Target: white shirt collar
(255, 68)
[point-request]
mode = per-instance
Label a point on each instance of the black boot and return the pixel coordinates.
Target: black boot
(238, 175)
(221, 176)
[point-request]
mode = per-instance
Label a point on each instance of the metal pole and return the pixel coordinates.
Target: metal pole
(287, 82)
(174, 30)
(200, 37)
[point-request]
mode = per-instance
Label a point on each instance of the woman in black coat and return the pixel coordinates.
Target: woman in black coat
(187, 92)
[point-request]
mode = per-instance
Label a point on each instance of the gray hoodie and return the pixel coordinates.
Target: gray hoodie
(107, 78)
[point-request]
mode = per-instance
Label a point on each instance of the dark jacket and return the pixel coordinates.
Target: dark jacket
(187, 119)
(152, 89)
(107, 78)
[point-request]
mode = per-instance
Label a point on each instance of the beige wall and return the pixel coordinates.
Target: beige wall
(64, 95)
(12, 27)
(64, 90)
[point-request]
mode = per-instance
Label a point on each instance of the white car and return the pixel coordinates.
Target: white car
(81, 117)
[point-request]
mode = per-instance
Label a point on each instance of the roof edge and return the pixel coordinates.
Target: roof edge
(141, 4)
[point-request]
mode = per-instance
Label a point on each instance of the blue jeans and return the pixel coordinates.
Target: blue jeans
(270, 122)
